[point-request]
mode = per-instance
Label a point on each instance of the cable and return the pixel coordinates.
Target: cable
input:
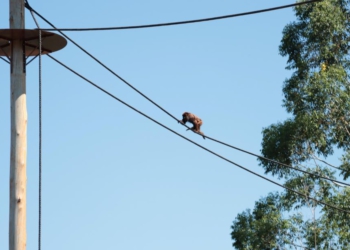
(31, 60)
(40, 141)
(7, 56)
(198, 145)
(103, 65)
(188, 21)
(4, 60)
(277, 162)
(165, 111)
(40, 131)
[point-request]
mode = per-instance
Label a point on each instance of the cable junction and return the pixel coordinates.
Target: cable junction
(198, 145)
(168, 113)
(187, 21)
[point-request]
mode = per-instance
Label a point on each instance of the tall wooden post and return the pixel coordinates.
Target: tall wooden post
(18, 161)
(15, 44)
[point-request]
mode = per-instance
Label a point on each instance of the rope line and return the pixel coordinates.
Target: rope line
(188, 21)
(198, 145)
(277, 162)
(40, 141)
(168, 113)
(104, 66)
(40, 131)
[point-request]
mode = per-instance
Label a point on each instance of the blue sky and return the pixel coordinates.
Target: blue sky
(113, 179)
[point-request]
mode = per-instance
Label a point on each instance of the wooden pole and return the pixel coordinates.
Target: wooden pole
(18, 178)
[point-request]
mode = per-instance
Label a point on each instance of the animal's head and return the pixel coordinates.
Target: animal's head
(185, 117)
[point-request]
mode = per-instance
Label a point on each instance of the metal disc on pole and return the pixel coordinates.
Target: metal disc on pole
(51, 42)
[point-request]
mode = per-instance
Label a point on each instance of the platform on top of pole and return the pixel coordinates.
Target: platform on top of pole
(51, 42)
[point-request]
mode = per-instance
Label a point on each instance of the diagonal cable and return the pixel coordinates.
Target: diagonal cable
(198, 145)
(5, 60)
(99, 62)
(277, 162)
(168, 113)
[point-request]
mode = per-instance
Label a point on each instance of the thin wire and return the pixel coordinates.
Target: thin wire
(32, 59)
(198, 145)
(31, 12)
(4, 60)
(99, 62)
(103, 65)
(40, 140)
(165, 111)
(277, 162)
(40, 131)
(7, 56)
(188, 21)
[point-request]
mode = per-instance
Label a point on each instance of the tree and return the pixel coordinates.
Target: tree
(317, 96)
(264, 228)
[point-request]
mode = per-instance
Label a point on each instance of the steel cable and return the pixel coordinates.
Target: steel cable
(168, 113)
(198, 145)
(186, 22)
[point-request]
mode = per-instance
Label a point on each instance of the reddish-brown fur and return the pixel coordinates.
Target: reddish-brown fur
(196, 122)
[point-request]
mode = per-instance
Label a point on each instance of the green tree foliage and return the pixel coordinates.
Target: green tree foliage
(317, 95)
(264, 228)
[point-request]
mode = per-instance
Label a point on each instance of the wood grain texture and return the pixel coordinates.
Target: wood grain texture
(18, 176)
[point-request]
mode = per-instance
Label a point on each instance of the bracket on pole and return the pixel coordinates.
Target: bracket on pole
(51, 42)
